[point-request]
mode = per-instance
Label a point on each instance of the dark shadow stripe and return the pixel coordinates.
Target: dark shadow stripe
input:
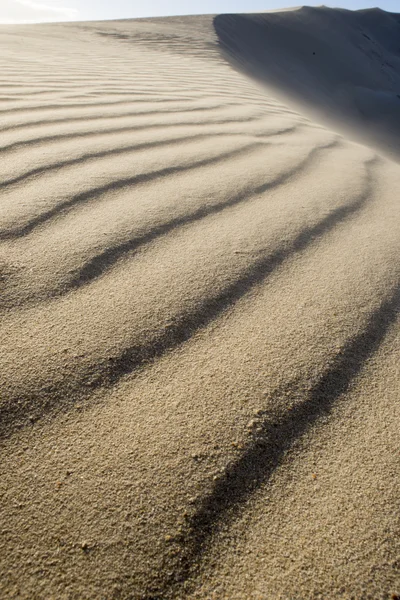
(207, 311)
(43, 170)
(104, 261)
(274, 438)
(83, 134)
(110, 371)
(83, 105)
(88, 118)
(119, 184)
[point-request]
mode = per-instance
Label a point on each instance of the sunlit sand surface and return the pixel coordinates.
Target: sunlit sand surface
(200, 290)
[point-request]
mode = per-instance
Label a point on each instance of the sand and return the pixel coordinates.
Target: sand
(200, 289)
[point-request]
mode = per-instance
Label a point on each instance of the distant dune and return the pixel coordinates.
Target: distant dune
(199, 308)
(342, 66)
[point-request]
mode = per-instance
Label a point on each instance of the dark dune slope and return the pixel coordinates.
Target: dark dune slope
(345, 65)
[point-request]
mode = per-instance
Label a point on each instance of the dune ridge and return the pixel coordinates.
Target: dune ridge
(340, 66)
(199, 307)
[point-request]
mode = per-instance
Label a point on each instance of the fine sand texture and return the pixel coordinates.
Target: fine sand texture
(199, 308)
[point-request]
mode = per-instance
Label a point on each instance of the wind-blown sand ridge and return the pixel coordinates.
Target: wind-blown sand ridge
(199, 307)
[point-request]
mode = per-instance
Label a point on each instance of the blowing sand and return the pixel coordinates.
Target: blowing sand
(200, 290)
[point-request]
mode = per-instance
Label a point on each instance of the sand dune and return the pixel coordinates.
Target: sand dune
(339, 66)
(199, 307)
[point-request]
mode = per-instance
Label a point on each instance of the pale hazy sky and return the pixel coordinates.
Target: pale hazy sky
(23, 11)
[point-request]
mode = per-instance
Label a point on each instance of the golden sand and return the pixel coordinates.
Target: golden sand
(200, 287)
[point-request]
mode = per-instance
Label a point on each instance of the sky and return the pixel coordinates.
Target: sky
(31, 11)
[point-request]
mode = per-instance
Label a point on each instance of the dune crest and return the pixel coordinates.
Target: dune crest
(340, 66)
(199, 300)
